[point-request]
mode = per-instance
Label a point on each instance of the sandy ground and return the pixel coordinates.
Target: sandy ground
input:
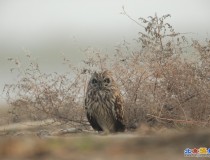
(27, 144)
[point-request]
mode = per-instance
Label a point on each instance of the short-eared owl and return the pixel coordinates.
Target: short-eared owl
(104, 104)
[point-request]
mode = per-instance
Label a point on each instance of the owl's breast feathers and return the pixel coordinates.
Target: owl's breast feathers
(114, 104)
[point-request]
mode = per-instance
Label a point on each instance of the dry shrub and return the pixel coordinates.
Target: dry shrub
(159, 84)
(40, 96)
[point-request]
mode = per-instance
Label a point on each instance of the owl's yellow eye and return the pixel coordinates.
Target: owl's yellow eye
(107, 80)
(94, 81)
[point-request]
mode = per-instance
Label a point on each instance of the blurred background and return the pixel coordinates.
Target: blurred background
(51, 28)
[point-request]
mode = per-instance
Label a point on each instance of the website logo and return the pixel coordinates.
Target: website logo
(197, 152)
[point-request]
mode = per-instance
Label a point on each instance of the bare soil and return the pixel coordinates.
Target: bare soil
(22, 143)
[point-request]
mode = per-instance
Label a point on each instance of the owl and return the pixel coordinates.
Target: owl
(104, 104)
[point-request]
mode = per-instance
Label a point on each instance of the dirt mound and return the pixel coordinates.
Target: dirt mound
(118, 146)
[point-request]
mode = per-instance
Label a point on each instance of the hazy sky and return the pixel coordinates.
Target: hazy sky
(36, 23)
(49, 27)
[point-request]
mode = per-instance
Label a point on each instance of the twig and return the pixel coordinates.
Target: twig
(177, 120)
(126, 14)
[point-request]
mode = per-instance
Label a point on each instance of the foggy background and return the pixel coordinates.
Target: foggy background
(49, 28)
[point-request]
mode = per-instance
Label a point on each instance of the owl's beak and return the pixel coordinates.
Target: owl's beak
(100, 85)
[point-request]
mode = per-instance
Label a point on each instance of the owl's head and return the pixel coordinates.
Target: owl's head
(101, 80)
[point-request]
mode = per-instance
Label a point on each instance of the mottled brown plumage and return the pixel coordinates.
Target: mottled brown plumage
(104, 103)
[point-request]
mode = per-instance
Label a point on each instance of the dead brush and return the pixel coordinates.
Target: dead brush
(159, 86)
(41, 96)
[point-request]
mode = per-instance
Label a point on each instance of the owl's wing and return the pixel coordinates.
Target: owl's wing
(93, 122)
(119, 113)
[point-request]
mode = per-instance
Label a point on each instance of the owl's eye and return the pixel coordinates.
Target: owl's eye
(94, 81)
(107, 80)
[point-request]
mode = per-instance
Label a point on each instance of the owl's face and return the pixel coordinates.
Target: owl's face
(101, 81)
